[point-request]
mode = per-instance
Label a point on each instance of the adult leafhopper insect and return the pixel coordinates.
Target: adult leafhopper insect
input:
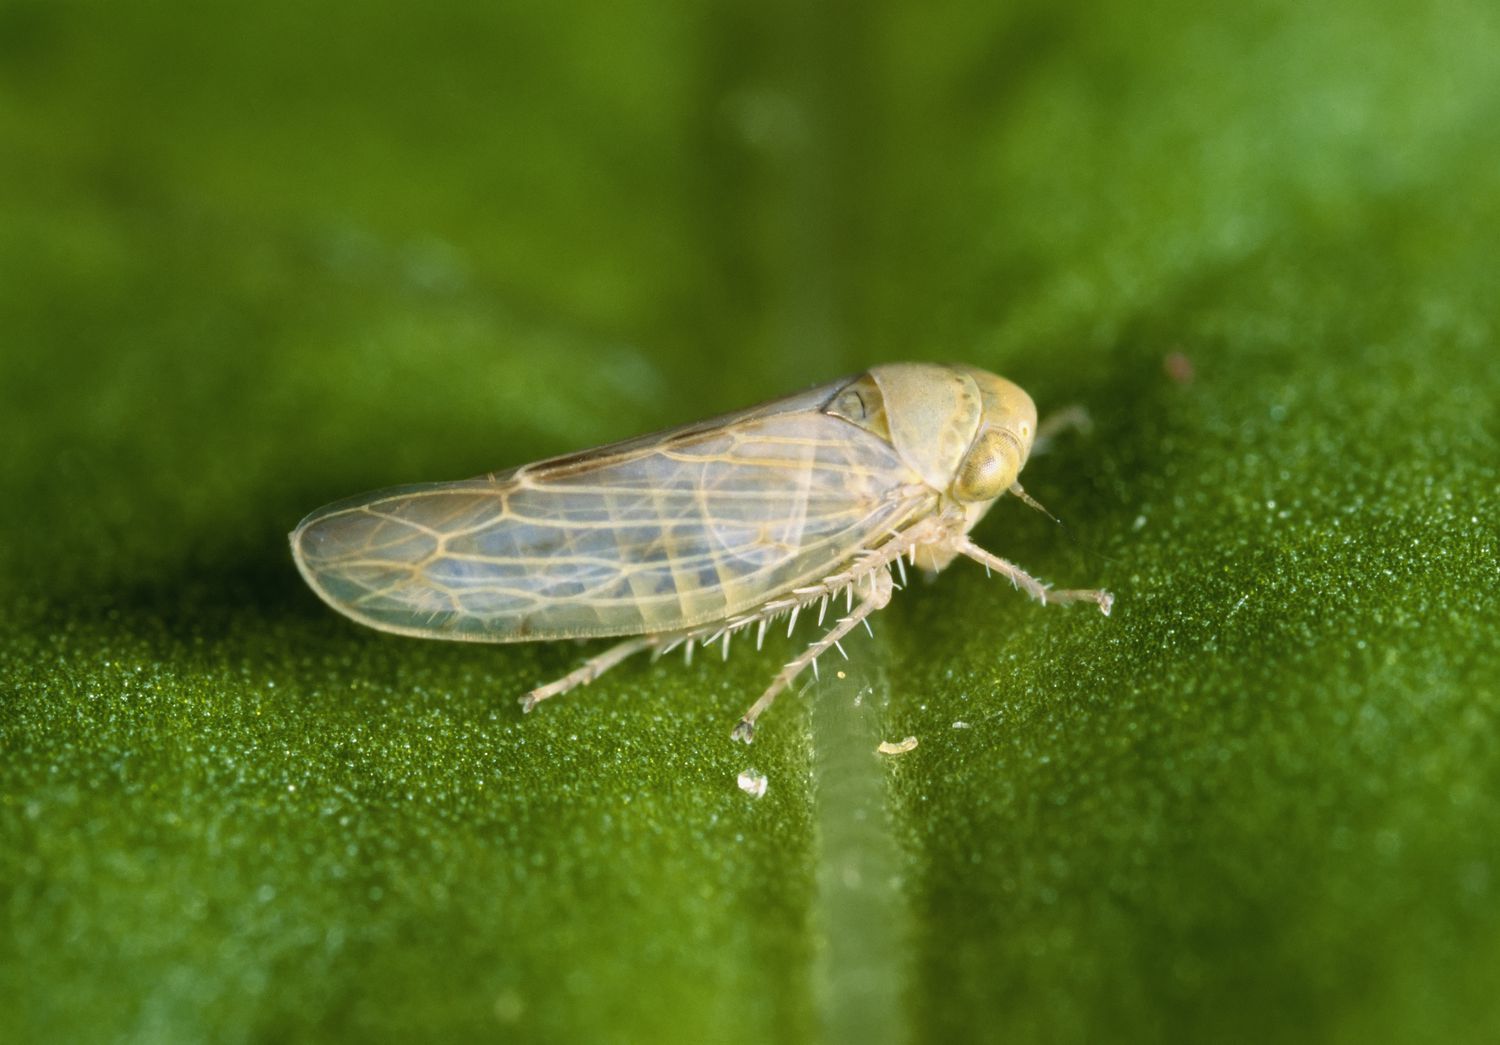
(692, 535)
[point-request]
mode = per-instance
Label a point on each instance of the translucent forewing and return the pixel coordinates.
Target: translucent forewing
(659, 534)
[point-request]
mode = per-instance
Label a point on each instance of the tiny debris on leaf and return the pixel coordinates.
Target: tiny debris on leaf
(1179, 368)
(888, 747)
(752, 782)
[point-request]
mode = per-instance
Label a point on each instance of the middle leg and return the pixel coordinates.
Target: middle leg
(589, 670)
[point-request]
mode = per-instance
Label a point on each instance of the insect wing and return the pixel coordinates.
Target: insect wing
(653, 535)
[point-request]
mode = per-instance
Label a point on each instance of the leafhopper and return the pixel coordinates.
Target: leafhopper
(693, 535)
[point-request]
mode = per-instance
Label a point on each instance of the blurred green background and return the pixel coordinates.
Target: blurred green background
(256, 258)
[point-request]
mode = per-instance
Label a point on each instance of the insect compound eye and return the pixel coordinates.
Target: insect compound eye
(988, 469)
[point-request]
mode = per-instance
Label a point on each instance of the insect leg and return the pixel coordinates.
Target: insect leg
(879, 595)
(589, 670)
(1029, 584)
(1069, 419)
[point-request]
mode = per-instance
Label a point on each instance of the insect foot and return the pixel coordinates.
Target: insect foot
(744, 731)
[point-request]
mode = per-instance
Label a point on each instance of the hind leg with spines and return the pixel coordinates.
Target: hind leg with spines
(876, 598)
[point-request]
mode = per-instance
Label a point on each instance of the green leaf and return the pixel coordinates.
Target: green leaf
(255, 260)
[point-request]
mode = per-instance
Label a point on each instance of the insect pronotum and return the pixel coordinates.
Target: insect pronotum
(692, 535)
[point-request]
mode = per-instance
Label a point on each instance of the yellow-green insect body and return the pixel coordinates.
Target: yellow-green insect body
(690, 535)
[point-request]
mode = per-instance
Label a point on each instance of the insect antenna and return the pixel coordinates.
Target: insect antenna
(1031, 502)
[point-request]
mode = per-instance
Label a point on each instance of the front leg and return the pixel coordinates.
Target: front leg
(1029, 584)
(1069, 419)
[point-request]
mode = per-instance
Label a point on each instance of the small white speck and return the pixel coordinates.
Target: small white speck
(888, 747)
(960, 724)
(509, 1007)
(752, 782)
(1139, 524)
